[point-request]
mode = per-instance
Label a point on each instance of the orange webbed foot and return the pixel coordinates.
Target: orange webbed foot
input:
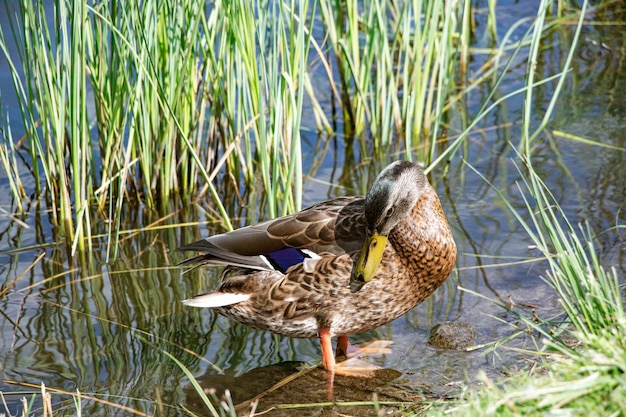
(375, 347)
(354, 366)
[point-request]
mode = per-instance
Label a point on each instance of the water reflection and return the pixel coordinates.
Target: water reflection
(82, 324)
(96, 327)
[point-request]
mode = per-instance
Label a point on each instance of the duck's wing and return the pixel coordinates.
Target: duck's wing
(335, 226)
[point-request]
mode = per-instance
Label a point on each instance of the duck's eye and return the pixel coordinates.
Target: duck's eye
(389, 212)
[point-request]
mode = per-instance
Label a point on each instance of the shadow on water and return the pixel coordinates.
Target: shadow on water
(83, 325)
(268, 387)
(102, 329)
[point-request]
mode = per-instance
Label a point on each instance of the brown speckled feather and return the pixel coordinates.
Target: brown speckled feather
(336, 226)
(316, 294)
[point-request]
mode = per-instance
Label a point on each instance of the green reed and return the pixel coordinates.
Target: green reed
(396, 66)
(9, 163)
(536, 40)
(225, 407)
(265, 71)
(127, 103)
(590, 296)
(586, 378)
(161, 103)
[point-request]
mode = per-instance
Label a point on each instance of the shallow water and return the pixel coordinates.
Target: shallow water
(102, 328)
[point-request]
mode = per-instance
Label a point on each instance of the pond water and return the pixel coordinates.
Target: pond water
(103, 328)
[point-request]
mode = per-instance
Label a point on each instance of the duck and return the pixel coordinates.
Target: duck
(340, 267)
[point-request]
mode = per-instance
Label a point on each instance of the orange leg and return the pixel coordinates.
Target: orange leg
(342, 345)
(352, 367)
(328, 359)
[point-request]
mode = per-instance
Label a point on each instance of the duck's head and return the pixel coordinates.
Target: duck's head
(390, 199)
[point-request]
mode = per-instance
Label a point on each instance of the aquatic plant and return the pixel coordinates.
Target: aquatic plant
(127, 104)
(581, 349)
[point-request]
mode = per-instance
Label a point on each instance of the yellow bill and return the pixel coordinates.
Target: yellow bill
(370, 257)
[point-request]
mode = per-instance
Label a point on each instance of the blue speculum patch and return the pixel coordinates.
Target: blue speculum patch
(284, 259)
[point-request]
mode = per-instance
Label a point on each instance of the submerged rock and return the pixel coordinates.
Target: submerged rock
(452, 335)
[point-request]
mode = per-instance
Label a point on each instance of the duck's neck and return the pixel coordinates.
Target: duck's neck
(423, 242)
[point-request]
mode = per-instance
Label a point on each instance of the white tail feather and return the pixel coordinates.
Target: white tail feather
(216, 299)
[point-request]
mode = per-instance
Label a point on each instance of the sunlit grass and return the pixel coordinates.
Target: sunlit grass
(152, 105)
(147, 104)
(10, 166)
(225, 406)
(144, 104)
(582, 350)
(581, 378)
(397, 66)
(171, 102)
